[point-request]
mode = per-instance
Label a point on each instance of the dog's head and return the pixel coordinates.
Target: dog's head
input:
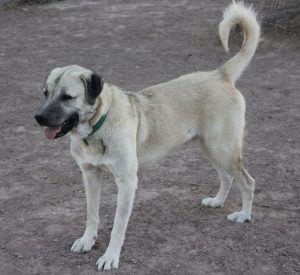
(70, 95)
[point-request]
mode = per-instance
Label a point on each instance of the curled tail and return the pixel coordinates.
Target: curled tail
(239, 14)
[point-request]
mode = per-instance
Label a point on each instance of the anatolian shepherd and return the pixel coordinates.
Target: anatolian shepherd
(118, 131)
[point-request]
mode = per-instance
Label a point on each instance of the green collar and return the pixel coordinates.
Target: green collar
(96, 127)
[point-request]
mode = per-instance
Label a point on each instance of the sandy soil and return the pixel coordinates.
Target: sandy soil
(135, 44)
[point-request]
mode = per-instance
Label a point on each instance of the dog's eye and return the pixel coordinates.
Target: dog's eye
(66, 97)
(46, 93)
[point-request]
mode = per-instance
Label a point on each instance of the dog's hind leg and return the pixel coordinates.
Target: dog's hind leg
(228, 163)
(246, 185)
(225, 185)
(225, 178)
(222, 143)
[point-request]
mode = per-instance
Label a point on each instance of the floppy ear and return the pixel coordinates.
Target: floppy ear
(93, 87)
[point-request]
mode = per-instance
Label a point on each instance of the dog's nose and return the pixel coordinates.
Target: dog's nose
(41, 120)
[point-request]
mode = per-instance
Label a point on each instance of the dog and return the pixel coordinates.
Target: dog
(115, 131)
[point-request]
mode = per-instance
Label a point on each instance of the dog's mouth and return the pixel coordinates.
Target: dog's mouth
(60, 131)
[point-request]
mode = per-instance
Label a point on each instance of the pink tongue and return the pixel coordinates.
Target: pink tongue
(50, 133)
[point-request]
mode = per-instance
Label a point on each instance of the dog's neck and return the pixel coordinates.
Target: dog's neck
(103, 103)
(101, 107)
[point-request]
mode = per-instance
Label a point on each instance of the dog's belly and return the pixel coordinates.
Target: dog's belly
(150, 152)
(148, 157)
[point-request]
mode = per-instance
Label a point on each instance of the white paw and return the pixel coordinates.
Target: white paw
(212, 202)
(83, 244)
(239, 217)
(110, 260)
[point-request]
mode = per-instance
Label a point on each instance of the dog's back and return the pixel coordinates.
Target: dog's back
(189, 106)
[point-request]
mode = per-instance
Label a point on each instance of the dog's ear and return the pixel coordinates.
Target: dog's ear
(93, 87)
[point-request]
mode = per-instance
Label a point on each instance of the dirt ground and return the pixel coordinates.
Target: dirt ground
(134, 44)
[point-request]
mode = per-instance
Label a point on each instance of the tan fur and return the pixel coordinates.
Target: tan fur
(144, 127)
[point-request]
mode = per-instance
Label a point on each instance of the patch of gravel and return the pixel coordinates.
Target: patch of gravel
(278, 15)
(8, 4)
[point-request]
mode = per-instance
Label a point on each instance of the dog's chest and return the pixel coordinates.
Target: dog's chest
(92, 153)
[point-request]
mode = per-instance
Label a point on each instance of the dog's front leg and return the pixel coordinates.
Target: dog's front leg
(127, 184)
(92, 185)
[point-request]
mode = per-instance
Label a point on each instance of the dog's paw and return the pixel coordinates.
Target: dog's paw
(212, 202)
(239, 217)
(83, 244)
(109, 261)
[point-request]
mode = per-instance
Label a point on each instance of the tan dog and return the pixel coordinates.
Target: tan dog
(116, 131)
